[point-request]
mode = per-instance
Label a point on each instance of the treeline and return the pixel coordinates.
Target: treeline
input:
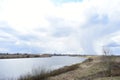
(12, 53)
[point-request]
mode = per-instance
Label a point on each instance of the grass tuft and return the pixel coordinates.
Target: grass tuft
(44, 74)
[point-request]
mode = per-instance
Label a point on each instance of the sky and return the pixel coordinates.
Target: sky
(59, 26)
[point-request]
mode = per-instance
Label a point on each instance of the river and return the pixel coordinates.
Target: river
(14, 68)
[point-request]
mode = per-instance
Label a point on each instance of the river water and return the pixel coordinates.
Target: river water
(14, 68)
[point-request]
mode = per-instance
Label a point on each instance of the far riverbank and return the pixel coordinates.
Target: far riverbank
(11, 56)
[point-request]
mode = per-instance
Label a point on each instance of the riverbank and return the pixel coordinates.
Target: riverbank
(94, 68)
(11, 56)
(26, 55)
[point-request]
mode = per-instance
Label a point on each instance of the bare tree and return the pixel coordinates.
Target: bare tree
(108, 59)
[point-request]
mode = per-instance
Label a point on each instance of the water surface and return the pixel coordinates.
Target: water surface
(14, 68)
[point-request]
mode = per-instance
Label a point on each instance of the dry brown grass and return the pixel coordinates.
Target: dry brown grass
(43, 74)
(92, 69)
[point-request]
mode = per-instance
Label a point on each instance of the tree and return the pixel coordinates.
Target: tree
(108, 59)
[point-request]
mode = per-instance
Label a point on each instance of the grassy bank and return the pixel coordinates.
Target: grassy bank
(44, 74)
(94, 68)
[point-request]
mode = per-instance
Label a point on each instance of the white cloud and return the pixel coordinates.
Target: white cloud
(26, 15)
(111, 41)
(39, 23)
